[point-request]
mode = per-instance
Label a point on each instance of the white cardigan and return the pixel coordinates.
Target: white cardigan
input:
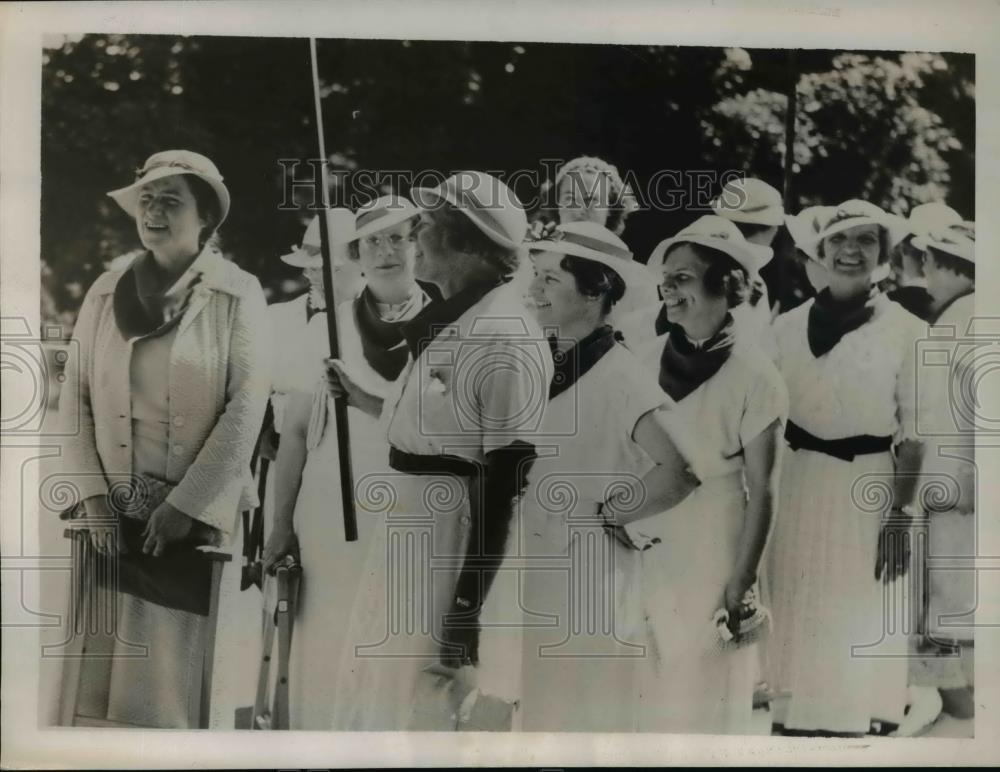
(218, 390)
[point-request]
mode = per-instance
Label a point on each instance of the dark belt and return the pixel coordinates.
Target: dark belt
(414, 463)
(845, 448)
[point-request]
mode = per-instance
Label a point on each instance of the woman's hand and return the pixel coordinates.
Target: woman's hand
(102, 525)
(281, 543)
(732, 601)
(340, 384)
(892, 558)
(165, 526)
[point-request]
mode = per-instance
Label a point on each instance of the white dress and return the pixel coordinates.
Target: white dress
(331, 565)
(831, 651)
(583, 636)
(689, 684)
(478, 386)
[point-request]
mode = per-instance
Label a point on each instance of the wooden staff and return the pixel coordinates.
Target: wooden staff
(340, 404)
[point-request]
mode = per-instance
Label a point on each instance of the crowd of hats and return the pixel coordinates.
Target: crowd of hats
(495, 210)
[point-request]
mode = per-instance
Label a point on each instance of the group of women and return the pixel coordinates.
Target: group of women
(582, 507)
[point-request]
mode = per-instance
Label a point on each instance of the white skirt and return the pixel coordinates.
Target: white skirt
(839, 643)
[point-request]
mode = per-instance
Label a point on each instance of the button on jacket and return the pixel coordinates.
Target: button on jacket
(218, 390)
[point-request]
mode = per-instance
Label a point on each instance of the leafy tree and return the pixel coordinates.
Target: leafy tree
(896, 127)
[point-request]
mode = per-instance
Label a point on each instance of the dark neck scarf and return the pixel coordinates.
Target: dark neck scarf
(425, 326)
(934, 317)
(684, 366)
(916, 300)
(830, 319)
(382, 341)
(662, 325)
(573, 364)
(141, 303)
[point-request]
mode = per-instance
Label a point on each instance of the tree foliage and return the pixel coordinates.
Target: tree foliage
(897, 128)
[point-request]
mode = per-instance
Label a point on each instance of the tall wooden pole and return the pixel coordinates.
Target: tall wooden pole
(340, 405)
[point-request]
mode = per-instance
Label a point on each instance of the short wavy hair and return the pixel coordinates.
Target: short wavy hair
(462, 235)
(723, 277)
(594, 279)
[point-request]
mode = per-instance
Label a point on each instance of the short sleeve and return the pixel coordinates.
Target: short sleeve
(510, 380)
(641, 395)
(766, 401)
(684, 433)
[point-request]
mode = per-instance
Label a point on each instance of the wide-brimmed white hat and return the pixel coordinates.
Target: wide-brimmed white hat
(806, 225)
(718, 233)
(591, 241)
(488, 202)
(749, 200)
(853, 213)
(958, 239)
(384, 212)
(925, 218)
(339, 221)
(169, 163)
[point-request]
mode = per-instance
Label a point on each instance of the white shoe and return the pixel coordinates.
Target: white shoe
(924, 706)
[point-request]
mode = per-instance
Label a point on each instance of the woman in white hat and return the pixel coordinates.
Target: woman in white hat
(166, 400)
(705, 565)
(847, 357)
(949, 465)
(294, 365)
(460, 422)
(911, 285)
(380, 241)
(611, 450)
(748, 320)
(803, 228)
(757, 210)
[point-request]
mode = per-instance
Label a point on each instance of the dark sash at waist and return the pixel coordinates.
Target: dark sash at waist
(414, 463)
(845, 448)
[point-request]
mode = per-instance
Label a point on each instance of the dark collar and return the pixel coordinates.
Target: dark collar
(573, 364)
(662, 325)
(830, 319)
(684, 366)
(425, 326)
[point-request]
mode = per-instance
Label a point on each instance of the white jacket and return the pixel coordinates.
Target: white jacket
(219, 384)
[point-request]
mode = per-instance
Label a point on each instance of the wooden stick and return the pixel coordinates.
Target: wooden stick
(340, 404)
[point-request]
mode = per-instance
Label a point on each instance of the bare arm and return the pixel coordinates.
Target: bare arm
(762, 457)
(289, 464)
(665, 485)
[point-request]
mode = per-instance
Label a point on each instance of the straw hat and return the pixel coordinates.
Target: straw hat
(384, 212)
(806, 225)
(927, 217)
(958, 239)
(338, 221)
(718, 233)
(591, 241)
(488, 202)
(749, 200)
(853, 213)
(169, 163)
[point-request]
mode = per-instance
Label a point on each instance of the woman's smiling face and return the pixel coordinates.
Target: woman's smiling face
(683, 289)
(389, 254)
(167, 217)
(555, 298)
(853, 252)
